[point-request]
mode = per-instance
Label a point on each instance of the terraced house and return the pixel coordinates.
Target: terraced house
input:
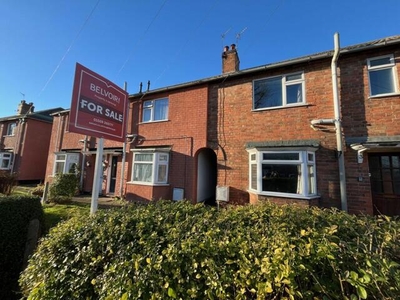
(24, 142)
(315, 130)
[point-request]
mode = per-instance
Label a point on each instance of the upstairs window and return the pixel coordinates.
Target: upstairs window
(382, 76)
(155, 110)
(65, 163)
(283, 173)
(150, 167)
(279, 91)
(11, 128)
(5, 160)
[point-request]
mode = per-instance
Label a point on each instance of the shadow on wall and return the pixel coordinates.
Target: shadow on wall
(132, 197)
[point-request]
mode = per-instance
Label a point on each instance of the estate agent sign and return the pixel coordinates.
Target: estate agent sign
(98, 106)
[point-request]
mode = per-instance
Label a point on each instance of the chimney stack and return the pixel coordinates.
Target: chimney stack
(230, 60)
(24, 108)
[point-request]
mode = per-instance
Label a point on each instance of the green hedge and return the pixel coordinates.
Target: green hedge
(63, 188)
(15, 214)
(184, 251)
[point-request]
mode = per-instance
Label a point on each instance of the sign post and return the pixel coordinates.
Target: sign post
(98, 109)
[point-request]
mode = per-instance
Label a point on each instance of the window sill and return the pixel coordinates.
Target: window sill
(384, 96)
(281, 107)
(283, 195)
(152, 122)
(147, 183)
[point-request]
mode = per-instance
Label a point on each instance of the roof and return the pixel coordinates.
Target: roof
(42, 115)
(326, 54)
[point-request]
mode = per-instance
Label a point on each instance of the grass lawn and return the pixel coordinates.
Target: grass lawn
(55, 213)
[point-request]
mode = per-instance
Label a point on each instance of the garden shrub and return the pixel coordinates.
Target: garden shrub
(15, 214)
(7, 182)
(63, 188)
(183, 251)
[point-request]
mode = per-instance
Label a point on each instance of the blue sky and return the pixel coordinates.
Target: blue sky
(166, 41)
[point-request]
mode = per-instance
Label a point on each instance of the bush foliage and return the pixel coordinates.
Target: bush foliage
(184, 251)
(63, 188)
(8, 181)
(15, 214)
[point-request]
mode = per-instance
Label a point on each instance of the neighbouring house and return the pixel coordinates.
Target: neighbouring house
(74, 152)
(317, 130)
(24, 142)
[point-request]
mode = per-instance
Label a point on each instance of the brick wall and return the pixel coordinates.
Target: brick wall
(232, 124)
(185, 132)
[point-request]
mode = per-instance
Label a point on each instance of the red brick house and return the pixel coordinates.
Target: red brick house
(288, 132)
(316, 130)
(24, 142)
(70, 152)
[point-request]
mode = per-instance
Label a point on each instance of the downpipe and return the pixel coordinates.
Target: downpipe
(338, 124)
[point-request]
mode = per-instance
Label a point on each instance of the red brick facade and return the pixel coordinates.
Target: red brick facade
(29, 142)
(213, 126)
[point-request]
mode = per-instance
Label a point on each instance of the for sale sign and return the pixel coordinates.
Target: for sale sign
(98, 107)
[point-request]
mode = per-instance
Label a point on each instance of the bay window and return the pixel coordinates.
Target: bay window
(5, 160)
(286, 173)
(65, 163)
(150, 167)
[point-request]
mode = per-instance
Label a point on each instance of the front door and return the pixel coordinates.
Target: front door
(385, 182)
(113, 174)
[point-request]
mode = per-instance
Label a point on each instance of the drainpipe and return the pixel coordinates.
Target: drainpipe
(121, 188)
(338, 124)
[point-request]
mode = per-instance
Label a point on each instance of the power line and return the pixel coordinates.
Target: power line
(69, 48)
(143, 35)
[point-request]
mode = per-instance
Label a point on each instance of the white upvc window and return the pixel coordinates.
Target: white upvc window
(382, 76)
(11, 128)
(279, 91)
(65, 163)
(283, 173)
(5, 160)
(150, 167)
(155, 110)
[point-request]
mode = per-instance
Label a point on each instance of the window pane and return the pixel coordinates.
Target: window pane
(310, 157)
(395, 162)
(59, 168)
(143, 157)
(311, 180)
(162, 173)
(161, 109)
(281, 178)
(380, 61)
(163, 157)
(253, 171)
(146, 115)
(5, 163)
(142, 172)
(385, 160)
(281, 156)
(294, 94)
(293, 77)
(382, 82)
(147, 104)
(253, 157)
(268, 93)
(60, 157)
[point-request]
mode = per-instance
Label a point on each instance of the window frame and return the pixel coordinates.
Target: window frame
(159, 159)
(11, 129)
(3, 158)
(391, 66)
(285, 83)
(306, 160)
(68, 160)
(152, 108)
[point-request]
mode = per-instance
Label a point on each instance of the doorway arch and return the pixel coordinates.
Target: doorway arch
(206, 176)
